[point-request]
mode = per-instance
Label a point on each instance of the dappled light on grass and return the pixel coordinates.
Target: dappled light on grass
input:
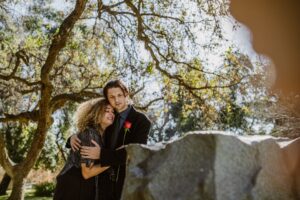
(29, 195)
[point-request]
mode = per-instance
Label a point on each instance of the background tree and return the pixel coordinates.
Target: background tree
(280, 113)
(229, 108)
(285, 113)
(16, 147)
(17, 138)
(35, 82)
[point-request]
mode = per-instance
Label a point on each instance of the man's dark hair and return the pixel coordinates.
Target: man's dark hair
(115, 84)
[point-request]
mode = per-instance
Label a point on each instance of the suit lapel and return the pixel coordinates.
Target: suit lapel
(121, 134)
(131, 114)
(107, 136)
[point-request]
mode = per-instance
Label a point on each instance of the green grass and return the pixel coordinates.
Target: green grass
(29, 195)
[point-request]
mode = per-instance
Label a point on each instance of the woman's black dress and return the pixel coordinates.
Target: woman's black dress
(70, 183)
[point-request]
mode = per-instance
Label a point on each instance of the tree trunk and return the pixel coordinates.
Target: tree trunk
(18, 189)
(4, 184)
(20, 172)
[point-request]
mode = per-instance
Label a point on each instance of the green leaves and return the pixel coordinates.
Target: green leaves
(149, 68)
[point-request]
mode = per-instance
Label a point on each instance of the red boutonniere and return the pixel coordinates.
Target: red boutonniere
(127, 126)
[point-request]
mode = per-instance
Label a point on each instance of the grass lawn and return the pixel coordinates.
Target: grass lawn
(28, 196)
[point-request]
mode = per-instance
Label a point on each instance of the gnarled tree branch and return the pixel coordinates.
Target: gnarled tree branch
(21, 117)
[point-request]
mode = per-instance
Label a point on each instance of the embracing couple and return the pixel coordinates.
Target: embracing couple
(95, 169)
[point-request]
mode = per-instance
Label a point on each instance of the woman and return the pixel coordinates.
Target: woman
(78, 179)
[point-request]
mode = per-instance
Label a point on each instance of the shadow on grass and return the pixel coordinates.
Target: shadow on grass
(29, 195)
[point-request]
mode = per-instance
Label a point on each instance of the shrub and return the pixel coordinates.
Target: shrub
(45, 189)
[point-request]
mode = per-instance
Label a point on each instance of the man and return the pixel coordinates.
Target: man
(136, 130)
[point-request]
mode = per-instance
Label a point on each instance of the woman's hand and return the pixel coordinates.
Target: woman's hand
(75, 142)
(91, 152)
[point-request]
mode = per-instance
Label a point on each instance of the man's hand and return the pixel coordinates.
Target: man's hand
(91, 152)
(121, 147)
(75, 142)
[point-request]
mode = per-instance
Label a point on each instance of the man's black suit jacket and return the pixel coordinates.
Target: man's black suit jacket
(138, 133)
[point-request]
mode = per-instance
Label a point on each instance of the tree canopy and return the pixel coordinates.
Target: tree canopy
(55, 54)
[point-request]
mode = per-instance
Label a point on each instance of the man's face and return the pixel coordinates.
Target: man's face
(117, 99)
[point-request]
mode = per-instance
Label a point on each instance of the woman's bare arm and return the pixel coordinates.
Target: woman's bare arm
(88, 172)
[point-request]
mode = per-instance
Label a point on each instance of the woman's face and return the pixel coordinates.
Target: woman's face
(108, 116)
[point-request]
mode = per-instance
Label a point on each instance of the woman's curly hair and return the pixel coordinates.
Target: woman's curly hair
(89, 113)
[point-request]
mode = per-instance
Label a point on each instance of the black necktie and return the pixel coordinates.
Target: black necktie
(115, 132)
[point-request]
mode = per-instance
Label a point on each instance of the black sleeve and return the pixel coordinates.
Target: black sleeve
(142, 131)
(112, 157)
(118, 157)
(86, 137)
(68, 143)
